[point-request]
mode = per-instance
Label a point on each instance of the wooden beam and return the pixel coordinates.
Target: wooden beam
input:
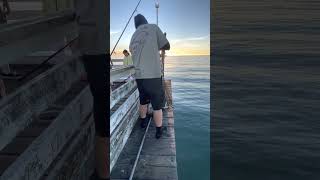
(120, 110)
(18, 109)
(120, 72)
(33, 162)
(51, 37)
(81, 146)
(121, 92)
(121, 134)
(158, 157)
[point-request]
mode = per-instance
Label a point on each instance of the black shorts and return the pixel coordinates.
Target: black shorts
(97, 68)
(151, 90)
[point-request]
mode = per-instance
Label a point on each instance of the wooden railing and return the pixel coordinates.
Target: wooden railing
(120, 72)
(46, 33)
(124, 103)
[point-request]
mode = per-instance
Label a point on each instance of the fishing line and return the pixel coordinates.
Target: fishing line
(47, 59)
(123, 31)
(139, 152)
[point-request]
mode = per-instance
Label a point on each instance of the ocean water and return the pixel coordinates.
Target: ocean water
(190, 77)
(266, 90)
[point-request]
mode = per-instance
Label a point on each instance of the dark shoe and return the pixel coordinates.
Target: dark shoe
(144, 122)
(158, 132)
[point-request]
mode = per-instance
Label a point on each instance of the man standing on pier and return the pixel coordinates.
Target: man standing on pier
(145, 44)
(93, 42)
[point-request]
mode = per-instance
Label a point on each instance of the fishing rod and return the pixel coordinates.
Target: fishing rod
(123, 31)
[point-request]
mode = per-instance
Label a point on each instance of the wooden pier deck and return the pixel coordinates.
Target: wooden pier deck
(157, 160)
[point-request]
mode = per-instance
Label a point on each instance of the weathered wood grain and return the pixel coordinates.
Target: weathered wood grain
(168, 92)
(23, 29)
(121, 92)
(51, 38)
(120, 72)
(124, 164)
(121, 134)
(160, 147)
(72, 163)
(168, 132)
(158, 156)
(155, 173)
(160, 161)
(121, 109)
(19, 109)
(32, 163)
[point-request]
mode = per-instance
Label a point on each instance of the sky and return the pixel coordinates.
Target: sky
(186, 22)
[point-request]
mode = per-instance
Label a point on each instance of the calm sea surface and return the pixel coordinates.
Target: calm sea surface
(266, 90)
(191, 97)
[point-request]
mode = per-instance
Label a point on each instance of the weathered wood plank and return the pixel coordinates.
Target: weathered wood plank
(124, 164)
(121, 92)
(168, 132)
(19, 108)
(67, 166)
(51, 38)
(32, 163)
(158, 156)
(155, 173)
(159, 147)
(121, 134)
(168, 92)
(123, 171)
(118, 112)
(169, 122)
(16, 31)
(120, 72)
(160, 161)
(52, 6)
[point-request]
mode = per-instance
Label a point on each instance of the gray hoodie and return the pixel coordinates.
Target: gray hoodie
(93, 26)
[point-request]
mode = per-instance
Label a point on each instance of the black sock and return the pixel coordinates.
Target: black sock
(158, 132)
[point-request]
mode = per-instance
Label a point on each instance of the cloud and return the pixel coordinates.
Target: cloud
(112, 32)
(187, 44)
(200, 38)
(197, 38)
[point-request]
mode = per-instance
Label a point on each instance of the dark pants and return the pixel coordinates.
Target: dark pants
(97, 68)
(151, 90)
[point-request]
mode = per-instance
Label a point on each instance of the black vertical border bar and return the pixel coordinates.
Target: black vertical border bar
(212, 60)
(109, 59)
